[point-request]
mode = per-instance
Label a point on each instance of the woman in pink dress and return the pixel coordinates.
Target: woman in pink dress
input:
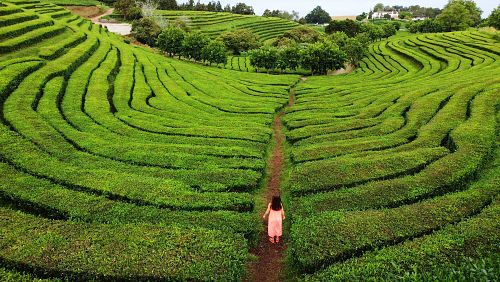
(276, 215)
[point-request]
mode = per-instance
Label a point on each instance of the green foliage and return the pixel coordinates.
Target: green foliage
(389, 30)
(128, 8)
(494, 18)
(214, 53)
(298, 35)
(323, 56)
(265, 57)
(349, 27)
(170, 40)
(318, 16)
(460, 15)
(242, 9)
(426, 26)
(239, 41)
(193, 44)
(145, 30)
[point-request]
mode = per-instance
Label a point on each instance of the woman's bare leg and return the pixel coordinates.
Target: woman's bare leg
(278, 239)
(271, 239)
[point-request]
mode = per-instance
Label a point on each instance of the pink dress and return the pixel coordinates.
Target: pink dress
(274, 222)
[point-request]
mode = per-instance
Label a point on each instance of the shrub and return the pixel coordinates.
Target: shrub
(240, 40)
(146, 30)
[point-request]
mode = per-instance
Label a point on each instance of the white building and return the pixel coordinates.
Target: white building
(380, 15)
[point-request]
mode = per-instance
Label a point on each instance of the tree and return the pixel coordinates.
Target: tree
(289, 58)
(374, 32)
(145, 30)
(362, 17)
(218, 7)
(405, 15)
(322, 57)
(378, 8)
(318, 16)
(459, 15)
(349, 27)
(494, 18)
(193, 44)
(389, 30)
(243, 9)
(170, 40)
(387, 16)
(128, 9)
(167, 5)
(214, 53)
(241, 40)
(428, 25)
(264, 58)
(300, 34)
(354, 47)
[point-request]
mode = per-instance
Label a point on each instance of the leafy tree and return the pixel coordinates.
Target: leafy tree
(300, 34)
(264, 58)
(241, 40)
(167, 5)
(349, 27)
(389, 30)
(243, 9)
(318, 16)
(405, 15)
(396, 24)
(374, 32)
(128, 9)
(134, 13)
(387, 16)
(214, 53)
(218, 7)
(354, 47)
(362, 17)
(193, 44)
(289, 58)
(170, 40)
(425, 26)
(494, 18)
(322, 57)
(459, 15)
(379, 7)
(145, 30)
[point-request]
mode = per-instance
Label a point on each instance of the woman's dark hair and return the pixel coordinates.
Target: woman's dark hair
(276, 203)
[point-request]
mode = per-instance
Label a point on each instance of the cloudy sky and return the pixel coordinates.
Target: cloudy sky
(343, 7)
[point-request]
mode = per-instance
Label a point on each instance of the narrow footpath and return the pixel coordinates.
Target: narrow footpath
(269, 266)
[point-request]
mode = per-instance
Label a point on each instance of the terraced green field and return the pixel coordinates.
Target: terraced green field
(119, 163)
(396, 167)
(214, 24)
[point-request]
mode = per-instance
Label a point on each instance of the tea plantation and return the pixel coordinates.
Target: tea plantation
(214, 24)
(117, 163)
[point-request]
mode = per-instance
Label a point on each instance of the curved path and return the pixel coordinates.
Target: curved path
(269, 265)
(120, 28)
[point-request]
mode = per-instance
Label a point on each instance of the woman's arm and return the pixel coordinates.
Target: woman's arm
(282, 212)
(267, 211)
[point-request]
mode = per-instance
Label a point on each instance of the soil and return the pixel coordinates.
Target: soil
(88, 12)
(269, 266)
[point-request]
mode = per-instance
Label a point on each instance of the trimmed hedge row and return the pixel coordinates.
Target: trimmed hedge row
(473, 237)
(128, 252)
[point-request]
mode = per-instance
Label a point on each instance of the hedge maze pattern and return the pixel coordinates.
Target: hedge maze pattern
(126, 143)
(119, 163)
(387, 161)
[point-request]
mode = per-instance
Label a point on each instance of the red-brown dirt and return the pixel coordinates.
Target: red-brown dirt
(269, 266)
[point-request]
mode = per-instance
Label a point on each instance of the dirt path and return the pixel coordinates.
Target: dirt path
(270, 264)
(107, 13)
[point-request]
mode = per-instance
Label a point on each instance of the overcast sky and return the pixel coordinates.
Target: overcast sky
(343, 7)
